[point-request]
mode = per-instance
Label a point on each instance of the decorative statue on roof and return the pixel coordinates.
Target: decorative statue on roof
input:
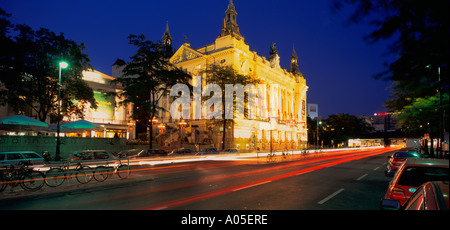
(274, 59)
(273, 49)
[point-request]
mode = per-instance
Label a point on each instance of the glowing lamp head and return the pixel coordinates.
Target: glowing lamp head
(63, 64)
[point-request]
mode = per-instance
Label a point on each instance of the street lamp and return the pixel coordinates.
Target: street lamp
(181, 123)
(62, 65)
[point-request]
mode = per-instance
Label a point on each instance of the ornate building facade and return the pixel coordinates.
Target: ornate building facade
(285, 99)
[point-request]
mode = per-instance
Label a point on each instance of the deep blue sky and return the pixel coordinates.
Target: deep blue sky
(335, 60)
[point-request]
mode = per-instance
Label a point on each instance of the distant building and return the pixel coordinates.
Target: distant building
(108, 113)
(382, 122)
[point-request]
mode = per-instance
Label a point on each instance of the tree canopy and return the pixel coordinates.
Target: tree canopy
(420, 30)
(29, 71)
(337, 128)
(146, 79)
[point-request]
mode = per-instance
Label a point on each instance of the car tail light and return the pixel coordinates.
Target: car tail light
(397, 194)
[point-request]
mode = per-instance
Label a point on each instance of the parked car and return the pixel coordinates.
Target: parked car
(208, 151)
(138, 153)
(157, 152)
(396, 160)
(181, 151)
(432, 195)
(408, 150)
(87, 155)
(129, 153)
(230, 151)
(414, 172)
(14, 158)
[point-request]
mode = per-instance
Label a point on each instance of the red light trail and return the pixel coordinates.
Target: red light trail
(309, 165)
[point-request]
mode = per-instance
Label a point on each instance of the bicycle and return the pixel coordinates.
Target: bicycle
(317, 153)
(303, 154)
(56, 176)
(27, 178)
(103, 172)
(271, 158)
(284, 156)
(123, 170)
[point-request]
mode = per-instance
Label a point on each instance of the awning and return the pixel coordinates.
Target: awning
(78, 126)
(22, 123)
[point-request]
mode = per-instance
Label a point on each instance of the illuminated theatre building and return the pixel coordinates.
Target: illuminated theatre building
(113, 120)
(285, 98)
(111, 117)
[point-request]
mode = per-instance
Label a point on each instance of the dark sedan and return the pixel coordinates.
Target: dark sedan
(181, 151)
(207, 151)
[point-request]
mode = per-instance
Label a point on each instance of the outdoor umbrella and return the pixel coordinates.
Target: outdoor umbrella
(21, 122)
(80, 125)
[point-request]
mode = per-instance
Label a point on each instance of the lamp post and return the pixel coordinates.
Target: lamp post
(441, 127)
(62, 65)
(181, 123)
(317, 139)
(161, 128)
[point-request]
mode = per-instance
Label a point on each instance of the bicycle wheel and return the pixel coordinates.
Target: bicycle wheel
(123, 171)
(84, 175)
(271, 158)
(3, 183)
(102, 173)
(32, 180)
(55, 177)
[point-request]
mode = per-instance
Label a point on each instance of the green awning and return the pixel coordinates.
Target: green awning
(21, 122)
(80, 125)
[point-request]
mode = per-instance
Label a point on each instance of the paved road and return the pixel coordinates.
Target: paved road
(344, 180)
(352, 185)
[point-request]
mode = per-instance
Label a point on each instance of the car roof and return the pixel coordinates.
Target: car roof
(19, 152)
(426, 162)
(407, 149)
(90, 151)
(443, 185)
(93, 150)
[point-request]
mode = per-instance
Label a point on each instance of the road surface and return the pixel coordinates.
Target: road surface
(341, 180)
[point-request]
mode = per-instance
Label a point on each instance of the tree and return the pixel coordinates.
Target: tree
(146, 79)
(223, 75)
(421, 33)
(341, 127)
(29, 71)
(421, 116)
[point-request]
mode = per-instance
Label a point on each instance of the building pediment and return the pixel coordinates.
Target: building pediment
(185, 53)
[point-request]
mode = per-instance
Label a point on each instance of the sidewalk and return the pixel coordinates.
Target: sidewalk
(71, 184)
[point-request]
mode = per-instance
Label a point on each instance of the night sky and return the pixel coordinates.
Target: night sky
(335, 60)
